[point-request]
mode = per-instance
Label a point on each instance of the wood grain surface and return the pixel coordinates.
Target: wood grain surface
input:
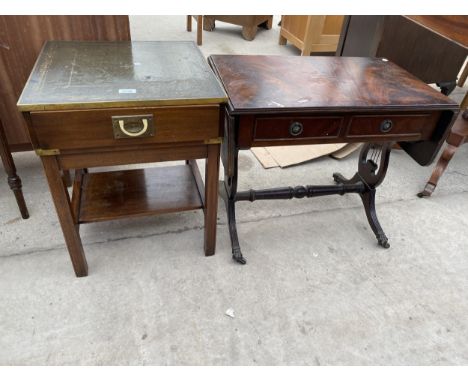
(454, 28)
(284, 83)
(93, 128)
(117, 194)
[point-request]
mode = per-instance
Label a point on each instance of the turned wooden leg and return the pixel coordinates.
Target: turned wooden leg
(211, 198)
(189, 23)
(439, 169)
(456, 138)
(64, 209)
(14, 180)
(249, 32)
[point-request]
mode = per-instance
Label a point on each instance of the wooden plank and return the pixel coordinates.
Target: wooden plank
(151, 191)
(131, 156)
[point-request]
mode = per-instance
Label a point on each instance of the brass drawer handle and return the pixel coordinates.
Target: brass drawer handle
(386, 125)
(136, 134)
(296, 129)
(133, 126)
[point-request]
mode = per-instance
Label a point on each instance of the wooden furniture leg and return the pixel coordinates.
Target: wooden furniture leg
(230, 192)
(267, 24)
(464, 102)
(14, 180)
(282, 40)
(456, 138)
(372, 168)
(67, 179)
(249, 32)
(249, 24)
(439, 169)
(199, 27)
(464, 75)
(211, 198)
(65, 214)
(373, 164)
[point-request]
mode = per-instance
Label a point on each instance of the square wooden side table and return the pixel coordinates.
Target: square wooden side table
(94, 104)
(279, 100)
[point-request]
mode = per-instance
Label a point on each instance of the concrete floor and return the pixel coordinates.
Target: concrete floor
(317, 290)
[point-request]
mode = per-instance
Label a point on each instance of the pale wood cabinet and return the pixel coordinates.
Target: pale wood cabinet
(311, 33)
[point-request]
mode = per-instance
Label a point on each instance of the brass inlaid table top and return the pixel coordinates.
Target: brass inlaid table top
(76, 75)
(98, 104)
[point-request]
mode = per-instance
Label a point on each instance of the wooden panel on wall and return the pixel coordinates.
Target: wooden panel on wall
(21, 39)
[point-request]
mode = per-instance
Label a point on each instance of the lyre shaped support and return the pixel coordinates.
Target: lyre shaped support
(369, 171)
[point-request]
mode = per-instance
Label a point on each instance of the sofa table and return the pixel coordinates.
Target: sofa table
(279, 100)
(96, 104)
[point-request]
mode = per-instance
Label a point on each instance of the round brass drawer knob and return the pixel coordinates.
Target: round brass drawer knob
(386, 126)
(296, 129)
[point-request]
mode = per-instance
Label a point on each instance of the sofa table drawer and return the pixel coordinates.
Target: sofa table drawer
(285, 128)
(123, 127)
(411, 125)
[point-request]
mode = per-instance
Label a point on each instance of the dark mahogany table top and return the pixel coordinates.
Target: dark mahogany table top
(290, 83)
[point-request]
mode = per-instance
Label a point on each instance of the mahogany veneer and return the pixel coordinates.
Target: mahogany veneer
(151, 191)
(106, 104)
(278, 100)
